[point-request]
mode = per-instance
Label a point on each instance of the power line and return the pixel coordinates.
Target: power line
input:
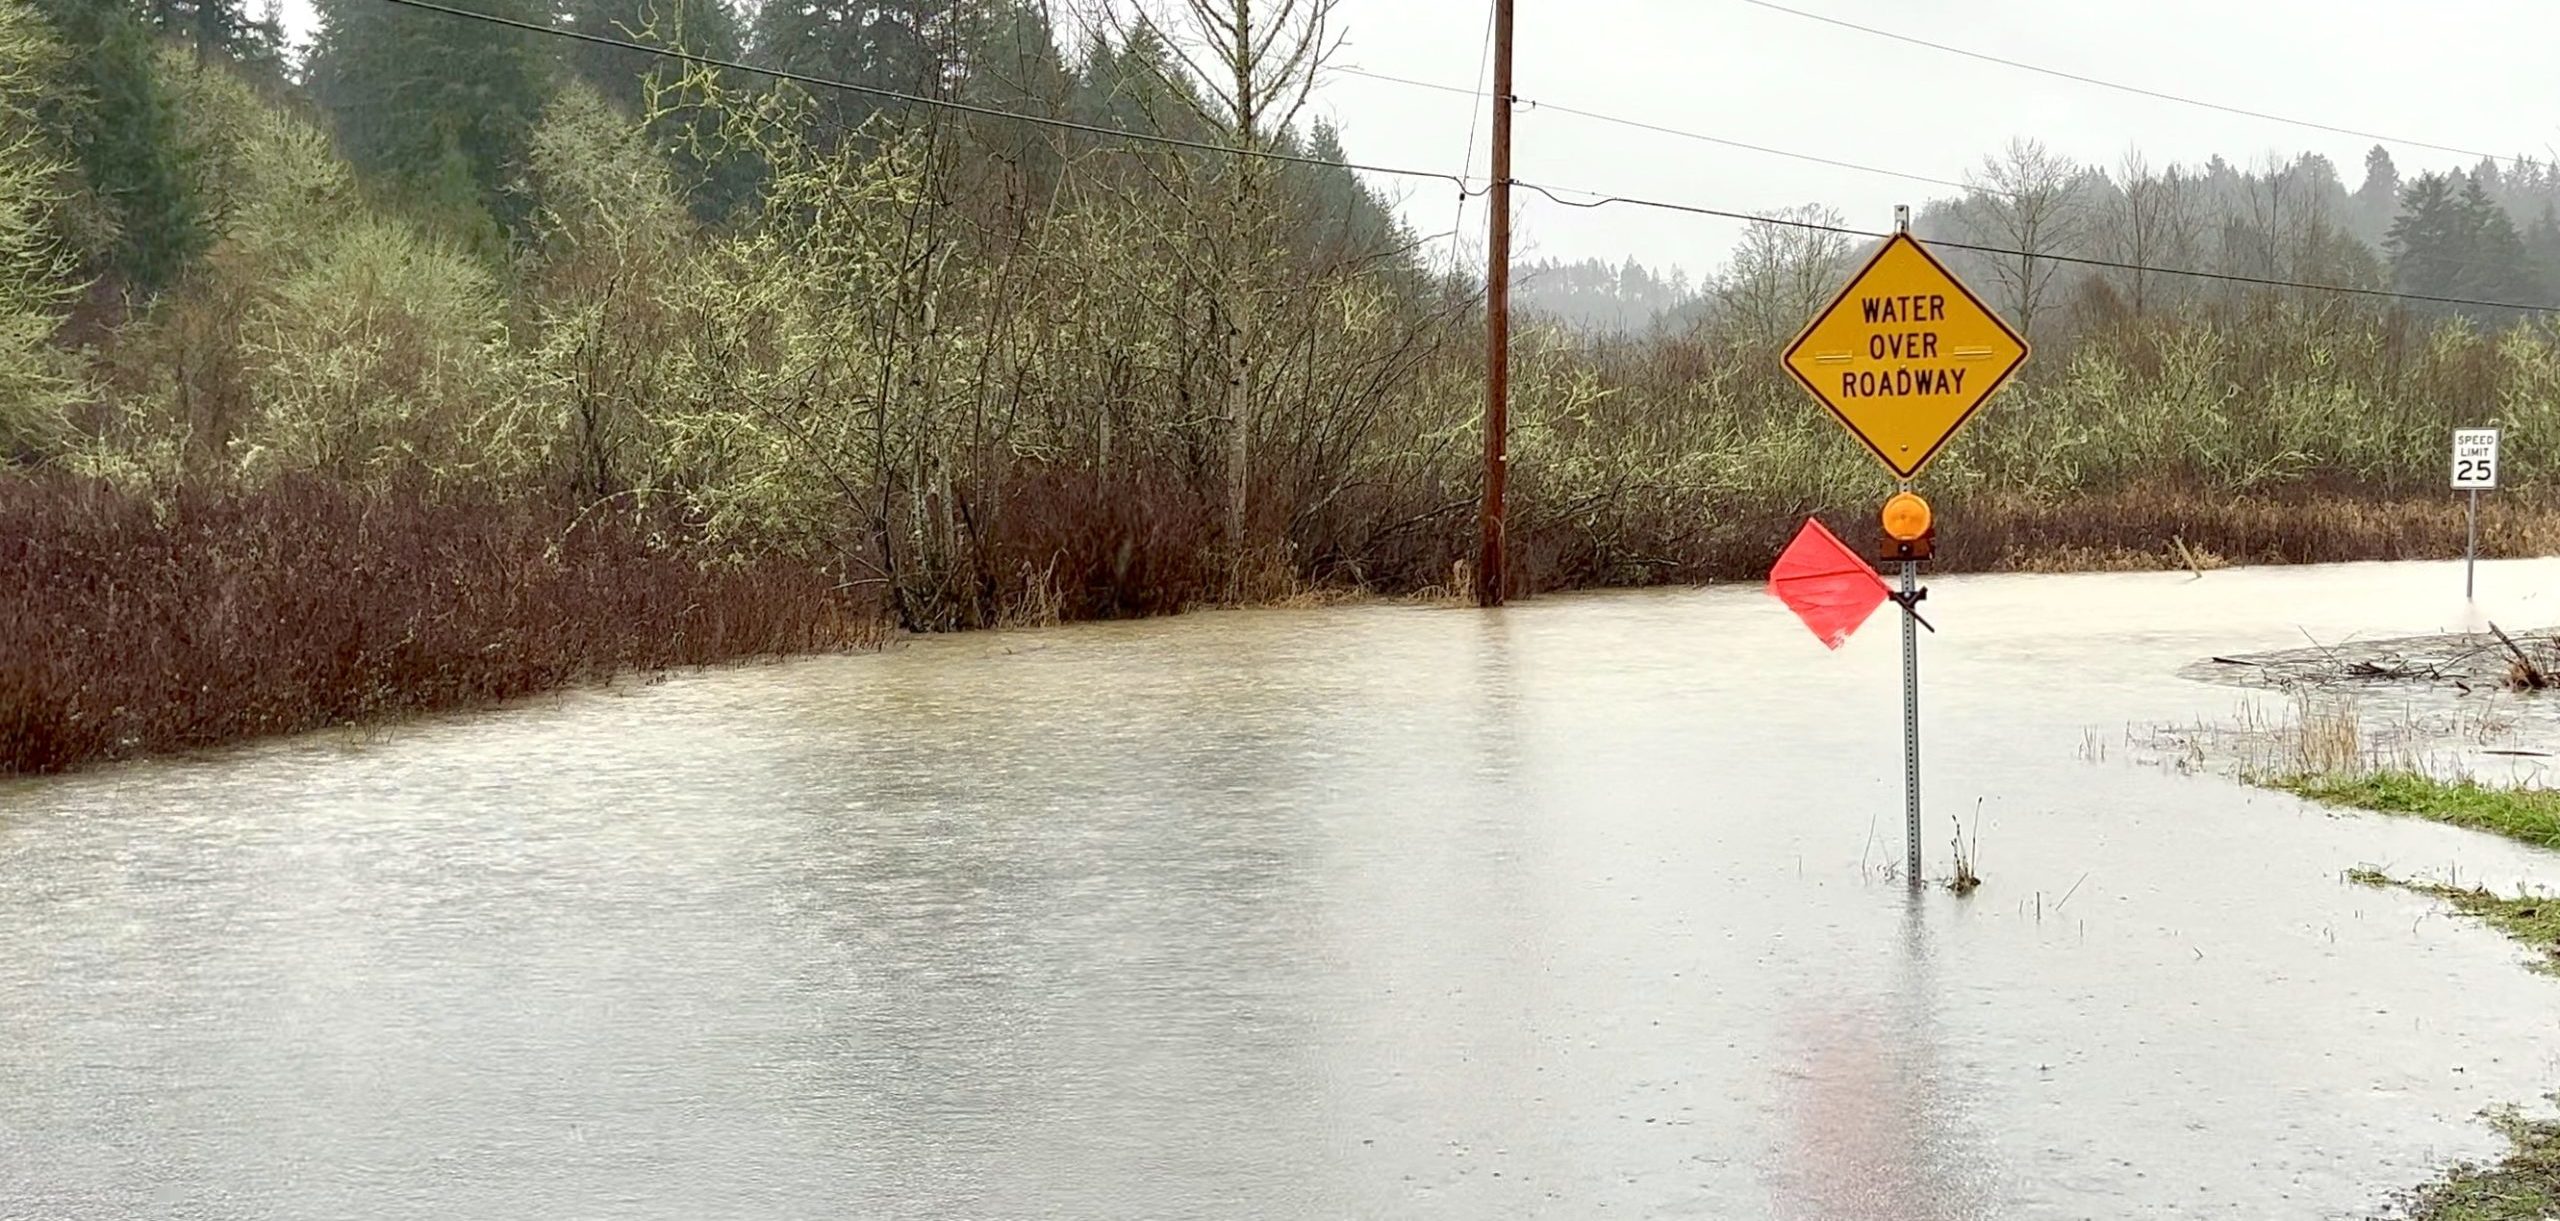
(1537, 104)
(2119, 86)
(1475, 114)
(1746, 146)
(1550, 192)
(2083, 207)
(1602, 201)
(802, 78)
(1467, 165)
(1479, 92)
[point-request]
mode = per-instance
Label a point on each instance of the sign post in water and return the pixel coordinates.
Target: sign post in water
(1902, 358)
(2475, 470)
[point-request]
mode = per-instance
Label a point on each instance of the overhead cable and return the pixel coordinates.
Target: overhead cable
(1602, 201)
(2121, 87)
(915, 99)
(1552, 193)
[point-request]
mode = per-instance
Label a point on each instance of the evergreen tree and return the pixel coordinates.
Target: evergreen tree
(2381, 180)
(2427, 241)
(440, 104)
(2495, 266)
(2370, 209)
(2542, 247)
(716, 180)
(1346, 224)
(1347, 216)
(908, 46)
(1013, 62)
(703, 27)
(1013, 65)
(112, 110)
(1134, 86)
(2457, 242)
(1597, 296)
(222, 29)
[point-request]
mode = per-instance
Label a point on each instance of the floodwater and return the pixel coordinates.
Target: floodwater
(1569, 910)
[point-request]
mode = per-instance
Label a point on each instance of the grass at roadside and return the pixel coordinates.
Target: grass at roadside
(2530, 815)
(2529, 918)
(2524, 1185)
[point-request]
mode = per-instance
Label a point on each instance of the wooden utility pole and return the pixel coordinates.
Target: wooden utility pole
(1491, 579)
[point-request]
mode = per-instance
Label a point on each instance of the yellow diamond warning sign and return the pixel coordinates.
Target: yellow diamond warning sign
(1905, 355)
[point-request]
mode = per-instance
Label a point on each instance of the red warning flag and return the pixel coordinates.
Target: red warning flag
(1830, 587)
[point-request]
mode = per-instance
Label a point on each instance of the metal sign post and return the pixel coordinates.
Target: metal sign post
(2475, 470)
(2471, 546)
(1911, 718)
(1910, 667)
(1910, 536)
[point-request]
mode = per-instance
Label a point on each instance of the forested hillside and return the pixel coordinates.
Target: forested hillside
(2491, 232)
(439, 280)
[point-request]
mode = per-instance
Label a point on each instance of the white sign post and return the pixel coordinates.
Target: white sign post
(2475, 470)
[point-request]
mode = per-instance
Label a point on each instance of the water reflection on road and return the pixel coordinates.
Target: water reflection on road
(1379, 911)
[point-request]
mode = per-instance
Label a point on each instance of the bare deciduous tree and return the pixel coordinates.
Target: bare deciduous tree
(1252, 65)
(2022, 203)
(2151, 222)
(1782, 273)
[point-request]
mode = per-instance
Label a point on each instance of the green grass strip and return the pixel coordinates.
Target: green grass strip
(2529, 815)
(2525, 1184)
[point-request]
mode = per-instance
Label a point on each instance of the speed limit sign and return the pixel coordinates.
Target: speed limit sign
(2475, 470)
(2475, 459)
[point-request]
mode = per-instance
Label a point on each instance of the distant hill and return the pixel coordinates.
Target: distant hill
(1594, 295)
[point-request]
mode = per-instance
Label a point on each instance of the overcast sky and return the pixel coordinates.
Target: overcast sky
(2468, 73)
(2472, 74)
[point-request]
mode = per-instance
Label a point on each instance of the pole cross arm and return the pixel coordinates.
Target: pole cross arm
(1910, 604)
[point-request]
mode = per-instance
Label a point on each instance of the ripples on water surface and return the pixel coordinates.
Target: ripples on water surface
(1379, 911)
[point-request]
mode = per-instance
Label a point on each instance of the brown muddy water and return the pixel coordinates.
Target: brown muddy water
(1568, 910)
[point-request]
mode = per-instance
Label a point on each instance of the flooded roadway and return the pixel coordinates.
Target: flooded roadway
(1569, 910)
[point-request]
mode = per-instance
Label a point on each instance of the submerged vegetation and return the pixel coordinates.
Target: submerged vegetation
(2333, 761)
(959, 371)
(2531, 919)
(2522, 1186)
